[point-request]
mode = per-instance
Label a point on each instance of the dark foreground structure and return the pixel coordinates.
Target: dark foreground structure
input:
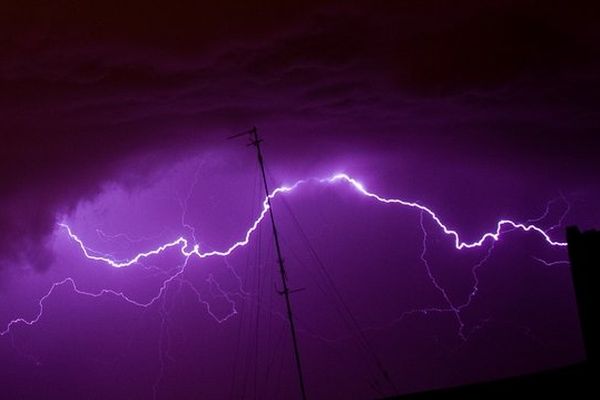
(579, 381)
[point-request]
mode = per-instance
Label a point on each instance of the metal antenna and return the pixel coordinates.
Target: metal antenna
(256, 141)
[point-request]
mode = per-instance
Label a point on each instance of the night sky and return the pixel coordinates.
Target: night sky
(114, 118)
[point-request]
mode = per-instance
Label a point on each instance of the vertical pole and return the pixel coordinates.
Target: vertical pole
(585, 259)
(286, 292)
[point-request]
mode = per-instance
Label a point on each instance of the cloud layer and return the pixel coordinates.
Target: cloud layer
(85, 89)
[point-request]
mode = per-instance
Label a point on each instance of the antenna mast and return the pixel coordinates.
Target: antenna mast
(255, 141)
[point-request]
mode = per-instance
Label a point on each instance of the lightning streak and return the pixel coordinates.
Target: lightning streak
(435, 283)
(188, 250)
(71, 282)
(551, 263)
(360, 188)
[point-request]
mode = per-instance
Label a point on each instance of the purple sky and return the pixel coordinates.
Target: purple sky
(114, 118)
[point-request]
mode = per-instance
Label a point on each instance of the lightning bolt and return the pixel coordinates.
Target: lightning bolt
(193, 250)
(551, 263)
(188, 250)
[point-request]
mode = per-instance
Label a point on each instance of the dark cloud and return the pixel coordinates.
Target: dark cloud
(85, 87)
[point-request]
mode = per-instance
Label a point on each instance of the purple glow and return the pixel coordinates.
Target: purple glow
(233, 296)
(195, 250)
(427, 158)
